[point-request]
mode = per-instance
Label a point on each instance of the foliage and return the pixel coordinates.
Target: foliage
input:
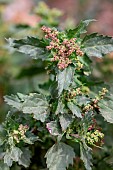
(68, 112)
(22, 71)
(59, 156)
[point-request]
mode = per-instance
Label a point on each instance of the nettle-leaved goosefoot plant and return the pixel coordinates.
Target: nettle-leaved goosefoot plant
(67, 112)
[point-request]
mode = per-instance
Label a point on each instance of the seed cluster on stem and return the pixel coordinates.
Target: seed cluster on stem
(62, 49)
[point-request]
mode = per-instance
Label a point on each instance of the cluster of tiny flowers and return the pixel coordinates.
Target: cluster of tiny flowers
(94, 102)
(50, 34)
(103, 93)
(19, 134)
(88, 107)
(95, 137)
(74, 93)
(62, 50)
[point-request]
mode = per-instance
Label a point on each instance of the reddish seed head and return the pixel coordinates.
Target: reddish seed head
(46, 36)
(62, 49)
(65, 41)
(49, 47)
(90, 128)
(43, 28)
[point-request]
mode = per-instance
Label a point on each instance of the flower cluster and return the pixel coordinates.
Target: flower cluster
(94, 103)
(88, 107)
(50, 33)
(79, 65)
(102, 93)
(91, 106)
(19, 134)
(95, 137)
(61, 49)
(74, 92)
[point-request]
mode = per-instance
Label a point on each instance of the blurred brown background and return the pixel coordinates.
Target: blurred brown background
(19, 11)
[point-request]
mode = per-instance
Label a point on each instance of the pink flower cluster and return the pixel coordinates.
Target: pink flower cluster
(62, 50)
(50, 33)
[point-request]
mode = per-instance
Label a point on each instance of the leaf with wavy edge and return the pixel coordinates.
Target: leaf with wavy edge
(32, 46)
(86, 155)
(59, 156)
(33, 103)
(80, 29)
(65, 78)
(97, 45)
(106, 109)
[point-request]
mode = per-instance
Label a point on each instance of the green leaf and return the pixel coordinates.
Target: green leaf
(53, 128)
(15, 154)
(7, 159)
(53, 90)
(22, 156)
(106, 108)
(65, 78)
(27, 41)
(38, 105)
(25, 157)
(31, 46)
(2, 153)
(97, 45)
(82, 100)
(60, 108)
(3, 166)
(2, 135)
(33, 103)
(80, 29)
(12, 155)
(75, 109)
(30, 138)
(13, 101)
(59, 156)
(65, 121)
(86, 155)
